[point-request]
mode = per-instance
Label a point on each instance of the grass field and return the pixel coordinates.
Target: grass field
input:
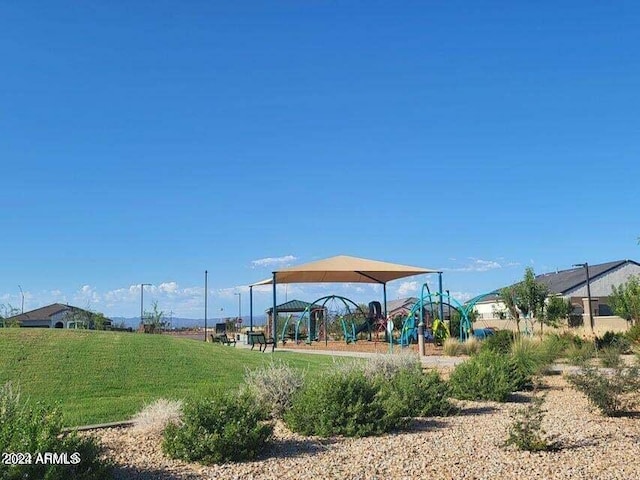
(108, 376)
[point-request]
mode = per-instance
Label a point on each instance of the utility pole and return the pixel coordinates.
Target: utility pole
(206, 273)
(142, 285)
(585, 265)
(22, 293)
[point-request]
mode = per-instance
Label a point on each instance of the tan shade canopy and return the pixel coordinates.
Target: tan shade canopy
(345, 269)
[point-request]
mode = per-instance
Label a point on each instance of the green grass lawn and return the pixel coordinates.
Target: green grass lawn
(108, 376)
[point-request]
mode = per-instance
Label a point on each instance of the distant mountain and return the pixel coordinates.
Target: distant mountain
(179, 322)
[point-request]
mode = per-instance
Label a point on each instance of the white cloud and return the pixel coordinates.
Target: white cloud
(480, 265)
(271, 261)
(407, 289)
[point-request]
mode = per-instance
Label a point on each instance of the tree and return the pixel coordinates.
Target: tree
(532, 296)
(155, 320)
(625, 299)
(557, 309)
(526, 298)
(509, 296)
(8, 311)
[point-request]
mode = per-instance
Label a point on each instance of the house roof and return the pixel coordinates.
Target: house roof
(292, 306)
(45, 313)
(400, 303)
(563, 281)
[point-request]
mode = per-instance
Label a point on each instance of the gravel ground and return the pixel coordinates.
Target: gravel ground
(465, 446)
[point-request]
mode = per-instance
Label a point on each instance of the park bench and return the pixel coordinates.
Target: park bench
(262, 341)
(223, 339)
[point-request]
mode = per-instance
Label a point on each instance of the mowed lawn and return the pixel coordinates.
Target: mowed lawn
(108, 376)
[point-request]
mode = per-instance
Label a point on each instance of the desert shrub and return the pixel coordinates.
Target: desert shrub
(274, 385)
(616, 340)
(610, 357)
(525, 431)
(633, 334)
(614, 394)
(552, 347)
(340, 403)
(38, 428)
(528, 358)
(153, 418)
(500, 342)
(471, 346)
(580, 354)
(226, 427)
(486, 376)
(388, 366)
(452, 347)
(415, 394)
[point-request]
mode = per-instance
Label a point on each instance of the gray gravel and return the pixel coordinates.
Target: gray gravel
(466, 446)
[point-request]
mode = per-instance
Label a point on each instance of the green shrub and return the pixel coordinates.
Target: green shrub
(37, 429)
(341, 403)
(580, 354)
(610, 357)
(500, 342)
(617, 340)
(634, 333)
(415, 394)
(274, 385)
(615, 395)
(487, 376)
(226, 427)
(552, 347)
(527, 361)
(525, 432)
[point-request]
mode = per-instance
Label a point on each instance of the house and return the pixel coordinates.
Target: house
(57, 315)
(572, 284)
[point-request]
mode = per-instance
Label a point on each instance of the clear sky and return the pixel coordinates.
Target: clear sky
(149, 141)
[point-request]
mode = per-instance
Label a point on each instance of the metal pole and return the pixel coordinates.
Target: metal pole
(142, 285)
(22, 293)
(251, 308)
(274, 320)
(440, 290)
(206, 291)
(586, 267)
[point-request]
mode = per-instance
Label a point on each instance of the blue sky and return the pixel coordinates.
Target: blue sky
(149, 141)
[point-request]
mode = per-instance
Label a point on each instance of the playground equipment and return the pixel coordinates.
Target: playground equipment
(374, 322)
(435, 326)
(315, 320)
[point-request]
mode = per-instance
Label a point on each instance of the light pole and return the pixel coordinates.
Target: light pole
(585, 265)
(142, 285)
(206, 273)
(239, 294)
(22, 293)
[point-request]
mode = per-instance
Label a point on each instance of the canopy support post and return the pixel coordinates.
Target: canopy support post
(251, 308)
(274, 320)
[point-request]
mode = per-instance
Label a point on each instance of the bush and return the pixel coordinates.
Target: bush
(414, 394)
(487, 376)
(37, 428)
(452, 347)
(610, 357)
(615, 395)
(528, 360)
(526, 433)
(634, 333)
(616, 340)
(341, 403)
(274, 385)
(500, 342)
(389, 366)
(580, 354)
(154, 418)
(552, 347)
(226, 427)
(471, 346)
